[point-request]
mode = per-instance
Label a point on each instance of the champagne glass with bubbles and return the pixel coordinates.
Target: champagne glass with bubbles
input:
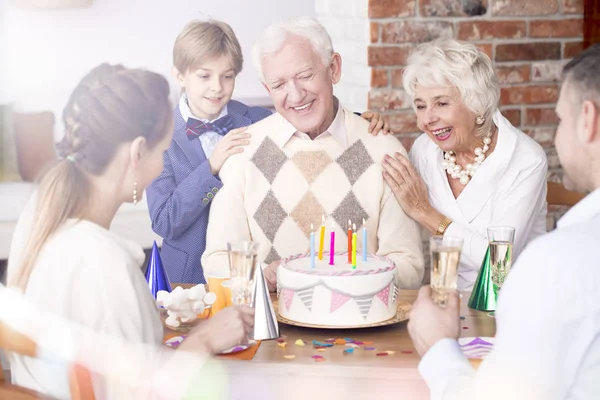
(501, 240)
(445, 258)
(242, 265)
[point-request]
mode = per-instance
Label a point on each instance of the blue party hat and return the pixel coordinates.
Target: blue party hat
(155, 273)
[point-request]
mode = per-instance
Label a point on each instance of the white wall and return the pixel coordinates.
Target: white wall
(49, 51)
(347, 22)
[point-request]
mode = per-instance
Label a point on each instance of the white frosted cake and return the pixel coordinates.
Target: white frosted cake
(337, 295)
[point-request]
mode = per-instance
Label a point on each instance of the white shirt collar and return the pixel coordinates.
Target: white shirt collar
(186, 112)
(582, 211)
(337, 129)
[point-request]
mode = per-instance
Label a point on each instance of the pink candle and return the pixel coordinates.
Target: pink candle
(332, 246)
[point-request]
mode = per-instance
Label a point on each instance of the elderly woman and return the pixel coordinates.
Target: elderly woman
(471, 169)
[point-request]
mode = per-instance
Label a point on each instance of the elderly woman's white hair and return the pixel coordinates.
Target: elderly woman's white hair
(444, 62)
(273, 38)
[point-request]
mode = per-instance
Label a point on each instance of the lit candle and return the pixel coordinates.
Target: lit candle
(332, 246)
(312, 246)
(321, 237)
(349, 242)
(354, 246)
(364, 232)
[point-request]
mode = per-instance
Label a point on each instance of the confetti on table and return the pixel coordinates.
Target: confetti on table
(465, 327)
(462, 317)
(390, 352)
(348, 340)
(316, 357)
(330, 340)
(369, 348)
(299, 342)
(280, 340)
(406, 352)
(349, 350)
(358, 343)
(281, 344)
(321, 349)
(340, 341)
(382, 354)
(289, 356)
(354, 346)
(367, 342)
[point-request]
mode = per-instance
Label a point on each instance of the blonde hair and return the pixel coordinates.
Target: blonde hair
(444, 62)
(200, 41)
(273, 38)
(111, 105)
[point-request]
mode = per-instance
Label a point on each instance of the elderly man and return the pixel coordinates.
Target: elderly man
(548, 317)
(313, 159)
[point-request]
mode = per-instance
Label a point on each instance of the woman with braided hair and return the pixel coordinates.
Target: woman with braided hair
(63, 256)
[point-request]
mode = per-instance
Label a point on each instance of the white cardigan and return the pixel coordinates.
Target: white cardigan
(509, 189)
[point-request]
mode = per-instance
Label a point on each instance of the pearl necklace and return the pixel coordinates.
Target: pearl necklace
(456, 171)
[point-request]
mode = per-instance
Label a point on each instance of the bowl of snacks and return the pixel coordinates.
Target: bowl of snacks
(183, 309)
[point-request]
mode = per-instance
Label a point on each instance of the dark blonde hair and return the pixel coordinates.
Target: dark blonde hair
(111, 105)
(200, 41)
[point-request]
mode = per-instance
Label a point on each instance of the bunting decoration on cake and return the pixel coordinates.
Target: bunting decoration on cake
(395, 292)
(364, 304)
(306, 295)
(288, 297)
(384, 295)
(338, 300)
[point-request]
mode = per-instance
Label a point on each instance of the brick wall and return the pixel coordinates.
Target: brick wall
(528, 41)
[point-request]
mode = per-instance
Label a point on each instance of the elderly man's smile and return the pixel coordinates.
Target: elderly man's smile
(304, 108)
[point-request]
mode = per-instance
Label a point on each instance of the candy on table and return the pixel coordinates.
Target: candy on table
(210, 298)
(184, 305)
(197, 292)
(163, 298)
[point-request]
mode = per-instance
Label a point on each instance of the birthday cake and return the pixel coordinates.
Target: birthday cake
(337, 295)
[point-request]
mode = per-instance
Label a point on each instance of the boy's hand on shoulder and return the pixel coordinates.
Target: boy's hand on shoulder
(377, 123)
(232, 143)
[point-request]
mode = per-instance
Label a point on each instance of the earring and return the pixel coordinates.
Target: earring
(135, 193)
(480, 120)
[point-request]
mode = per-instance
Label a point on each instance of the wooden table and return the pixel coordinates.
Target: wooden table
(347, 376)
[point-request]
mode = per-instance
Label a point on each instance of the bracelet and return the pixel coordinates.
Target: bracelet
(443, 226)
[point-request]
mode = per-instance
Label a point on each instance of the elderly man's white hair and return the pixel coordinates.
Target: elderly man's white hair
(447, 62)
(273, 38)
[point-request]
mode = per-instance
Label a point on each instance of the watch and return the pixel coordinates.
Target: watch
(443, 226)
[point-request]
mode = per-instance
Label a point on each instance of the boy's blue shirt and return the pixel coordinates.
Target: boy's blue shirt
(179, 199)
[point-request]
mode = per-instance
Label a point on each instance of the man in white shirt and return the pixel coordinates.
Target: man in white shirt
(548, 316)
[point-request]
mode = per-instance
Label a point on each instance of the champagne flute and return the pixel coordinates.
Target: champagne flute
(445, 258)
(242, 265)
(501, 240)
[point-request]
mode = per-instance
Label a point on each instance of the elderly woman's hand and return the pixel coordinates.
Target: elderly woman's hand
(407, 185)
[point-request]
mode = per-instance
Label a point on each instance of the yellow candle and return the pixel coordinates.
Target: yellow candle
(354, 247)
(322, 238)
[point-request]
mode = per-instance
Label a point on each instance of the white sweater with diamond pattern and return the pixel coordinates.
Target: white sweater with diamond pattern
(271, 195)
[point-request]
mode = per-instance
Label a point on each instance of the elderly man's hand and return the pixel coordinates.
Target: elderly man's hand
(271, 275)
(377, 123)
(430, 323)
